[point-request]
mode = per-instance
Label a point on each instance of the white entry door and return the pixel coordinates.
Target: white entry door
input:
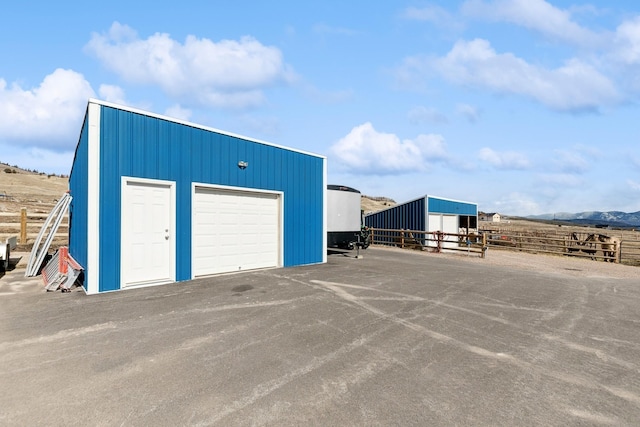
(148, 232)
(234, 230)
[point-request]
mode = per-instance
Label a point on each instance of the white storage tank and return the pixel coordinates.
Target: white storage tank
(344, 218)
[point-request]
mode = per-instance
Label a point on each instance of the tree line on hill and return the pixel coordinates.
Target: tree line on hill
(16, 169)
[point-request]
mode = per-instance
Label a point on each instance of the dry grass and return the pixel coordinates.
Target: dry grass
(374, 204)
(550, 229)
(37, 193)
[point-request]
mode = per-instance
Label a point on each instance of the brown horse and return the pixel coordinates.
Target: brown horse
(590, 246)
(609, 247)
(575, 244)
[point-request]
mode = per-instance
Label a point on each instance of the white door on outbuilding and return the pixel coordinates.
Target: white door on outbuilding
(235, 230)
(148, 232)
(450, 226)
(447, 224)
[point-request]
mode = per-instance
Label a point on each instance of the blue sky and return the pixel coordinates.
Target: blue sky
(523, 106)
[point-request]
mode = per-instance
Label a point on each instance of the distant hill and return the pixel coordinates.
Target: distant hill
(595, 218)
(34, 190)
(374, 204)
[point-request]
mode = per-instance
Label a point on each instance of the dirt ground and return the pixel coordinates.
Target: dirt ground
(566, 266)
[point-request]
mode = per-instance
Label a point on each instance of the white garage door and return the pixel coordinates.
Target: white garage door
(234, 231)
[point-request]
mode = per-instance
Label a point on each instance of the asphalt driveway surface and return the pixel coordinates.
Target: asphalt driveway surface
(395, 338)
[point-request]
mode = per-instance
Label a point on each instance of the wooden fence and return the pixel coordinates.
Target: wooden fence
(26, 226)
(619, 251)
(593, 249)
(435, 241)
(630, 252)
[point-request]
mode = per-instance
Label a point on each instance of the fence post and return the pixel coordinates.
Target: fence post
(23, 226)
(618, 248)
(484, 245)
(402, 239)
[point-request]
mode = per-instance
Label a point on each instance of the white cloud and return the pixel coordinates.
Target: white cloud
(228, 73)
(537, 15)
(514, 203)
(422, 114)
(323, 28)
(561, 180)
(113, 94)
(471, 113)
(570, 161)
(627, 42)
(576, 86)
(506, 160)
(433, 14)
(326, 97)
(365, 150)
(49, 115)
(633, 185)
(432, 146)
(178, 112)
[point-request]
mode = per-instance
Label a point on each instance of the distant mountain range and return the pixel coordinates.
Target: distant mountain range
(603, 219)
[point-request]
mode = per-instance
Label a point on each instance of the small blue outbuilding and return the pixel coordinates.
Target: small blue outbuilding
(159, 200)
(428, 214)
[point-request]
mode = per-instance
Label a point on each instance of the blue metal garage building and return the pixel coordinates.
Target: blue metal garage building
(427, 213)
(158, 200)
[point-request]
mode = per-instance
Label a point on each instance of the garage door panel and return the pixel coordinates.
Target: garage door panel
(235, 231)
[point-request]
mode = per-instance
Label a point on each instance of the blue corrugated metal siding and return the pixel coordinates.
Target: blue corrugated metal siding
(147, 147)
(78, 211)
(452, 207)
(408, 216)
